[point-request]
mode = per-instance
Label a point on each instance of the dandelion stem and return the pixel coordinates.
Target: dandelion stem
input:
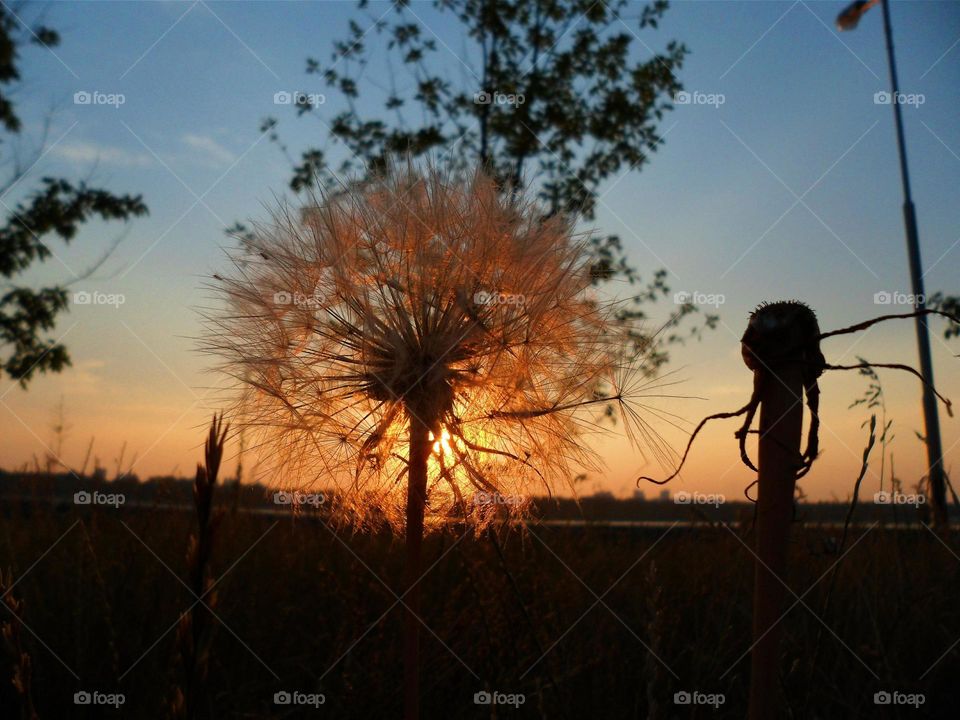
(781, 419)
(416, 500)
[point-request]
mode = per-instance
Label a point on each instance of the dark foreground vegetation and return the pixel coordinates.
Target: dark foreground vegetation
(598, 622)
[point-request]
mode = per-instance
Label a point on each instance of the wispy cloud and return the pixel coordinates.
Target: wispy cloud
(84, 378)
(88, 153)
(210, 147)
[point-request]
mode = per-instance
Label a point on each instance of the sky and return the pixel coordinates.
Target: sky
(778, 180)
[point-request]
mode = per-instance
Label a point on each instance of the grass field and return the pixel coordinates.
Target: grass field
(583, 622)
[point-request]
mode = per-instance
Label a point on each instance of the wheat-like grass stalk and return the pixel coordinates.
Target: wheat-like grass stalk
(195, 627)
(13, 642)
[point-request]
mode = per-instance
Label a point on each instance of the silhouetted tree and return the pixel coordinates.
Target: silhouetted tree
(948, 304)
(57, 207)
(555, 100)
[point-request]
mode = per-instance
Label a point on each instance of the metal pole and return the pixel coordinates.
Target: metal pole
(938, 500)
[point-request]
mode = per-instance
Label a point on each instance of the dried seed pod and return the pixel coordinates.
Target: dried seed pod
(779, 331)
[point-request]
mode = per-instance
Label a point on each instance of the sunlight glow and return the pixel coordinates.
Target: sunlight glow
(442, 446)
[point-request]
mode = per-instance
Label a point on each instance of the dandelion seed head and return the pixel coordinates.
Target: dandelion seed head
(421, 295)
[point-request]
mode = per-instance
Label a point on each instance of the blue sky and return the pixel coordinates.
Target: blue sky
(717, 206)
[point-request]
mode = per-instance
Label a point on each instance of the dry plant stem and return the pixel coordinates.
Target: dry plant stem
(22, 665)
(843, 541)
(781, 419)
(193, 633)
(416, 499)
(523, 605)
(873, 321)
(953, 492)
(897, 366)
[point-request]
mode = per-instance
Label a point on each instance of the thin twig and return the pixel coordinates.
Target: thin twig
(896, 366)
(869, 323)
(718, 416)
